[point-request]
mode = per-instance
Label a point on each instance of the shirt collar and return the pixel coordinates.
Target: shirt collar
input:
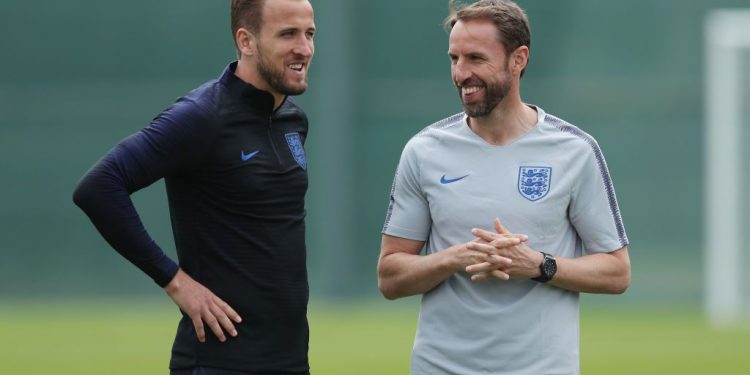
(259, 99)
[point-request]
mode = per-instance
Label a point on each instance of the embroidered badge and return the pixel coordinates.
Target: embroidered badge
(295, 146)
(534, 182)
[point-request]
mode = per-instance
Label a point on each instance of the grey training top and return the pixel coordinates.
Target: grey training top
(551, 184)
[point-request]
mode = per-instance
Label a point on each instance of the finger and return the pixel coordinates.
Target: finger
(482, 276)
(500, 260)
(494, 246)
(483, 234)
(223, 320)
(480, 267)
(500, 228)
(212, 323)
(487, 236)
(495, 274)
(500, 275)
(199, 330)
(494, 262)
(478, 240)
(503, 242)
(228, 310)
(483, 248)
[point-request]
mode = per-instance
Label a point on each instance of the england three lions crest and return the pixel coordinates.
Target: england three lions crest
(295, 146)
(534, 182)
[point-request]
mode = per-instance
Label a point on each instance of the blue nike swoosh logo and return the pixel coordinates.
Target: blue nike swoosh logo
(444, 180)
(246, 157)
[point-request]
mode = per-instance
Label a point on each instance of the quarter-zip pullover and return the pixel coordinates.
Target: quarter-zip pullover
(236, 178)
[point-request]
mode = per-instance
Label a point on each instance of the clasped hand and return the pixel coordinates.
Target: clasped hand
(501, 255)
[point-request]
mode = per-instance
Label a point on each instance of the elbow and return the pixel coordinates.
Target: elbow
(99, 184)
(622, 283)
(96, 188)
(621, 287)
(620, 280)
(81, 196)
(387, 286)
(389, 292)
(86, 196)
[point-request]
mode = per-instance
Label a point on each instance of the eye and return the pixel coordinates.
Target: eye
(475, 57)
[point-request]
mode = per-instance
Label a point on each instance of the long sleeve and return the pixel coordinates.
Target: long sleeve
(173, 142)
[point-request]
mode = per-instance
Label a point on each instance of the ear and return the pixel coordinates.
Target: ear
(518, 59)
(246, 42)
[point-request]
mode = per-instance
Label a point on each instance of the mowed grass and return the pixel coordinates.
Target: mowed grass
(375, 338)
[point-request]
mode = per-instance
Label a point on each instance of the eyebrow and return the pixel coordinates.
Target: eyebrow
(293, 28)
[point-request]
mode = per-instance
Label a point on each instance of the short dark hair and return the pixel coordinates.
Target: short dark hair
(510, 20)
(247, 14)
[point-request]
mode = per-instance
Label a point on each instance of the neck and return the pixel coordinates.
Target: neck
(507, 122)
(248, 72)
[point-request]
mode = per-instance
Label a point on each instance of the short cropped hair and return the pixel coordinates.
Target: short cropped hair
(247, 14)
(510, 20)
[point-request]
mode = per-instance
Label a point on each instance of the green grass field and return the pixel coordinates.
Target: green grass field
(373, 338)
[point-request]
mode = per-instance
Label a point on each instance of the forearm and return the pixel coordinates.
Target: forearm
(103, 195)
(402, 274)
(607, 273)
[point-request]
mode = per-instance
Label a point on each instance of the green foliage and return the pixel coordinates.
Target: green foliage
(134, 337)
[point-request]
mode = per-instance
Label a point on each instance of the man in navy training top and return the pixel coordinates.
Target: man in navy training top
(231, 154)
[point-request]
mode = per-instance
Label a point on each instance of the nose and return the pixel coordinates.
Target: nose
(460, 73)
(305, 48)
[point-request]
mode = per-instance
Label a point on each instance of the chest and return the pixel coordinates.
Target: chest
(258, 161)
(529, 192)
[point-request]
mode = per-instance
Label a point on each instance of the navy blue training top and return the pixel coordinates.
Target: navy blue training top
(236, 177)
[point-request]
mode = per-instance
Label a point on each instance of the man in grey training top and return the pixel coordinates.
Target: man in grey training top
(496, 301)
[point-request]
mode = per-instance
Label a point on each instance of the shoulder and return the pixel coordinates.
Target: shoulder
(436, 131)
(192, 115)
(199, 105)
(205, 99)
(432, 136)
(570, 136)
(437, 127)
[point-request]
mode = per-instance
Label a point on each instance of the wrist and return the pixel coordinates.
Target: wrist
(175, 283)
(451, 261)
(538, 260)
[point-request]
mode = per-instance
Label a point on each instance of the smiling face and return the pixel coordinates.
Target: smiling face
(285, 45)
(276, 57)
(479, 66)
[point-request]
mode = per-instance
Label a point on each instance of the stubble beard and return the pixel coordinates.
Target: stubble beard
(275, 78)
(495, 92)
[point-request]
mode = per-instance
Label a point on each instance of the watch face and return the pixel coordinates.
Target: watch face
(549, 266)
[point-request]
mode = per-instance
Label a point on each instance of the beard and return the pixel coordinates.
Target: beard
(275, 77)
(494, 93)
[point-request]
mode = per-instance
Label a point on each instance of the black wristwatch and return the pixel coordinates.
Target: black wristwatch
(548, 268)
